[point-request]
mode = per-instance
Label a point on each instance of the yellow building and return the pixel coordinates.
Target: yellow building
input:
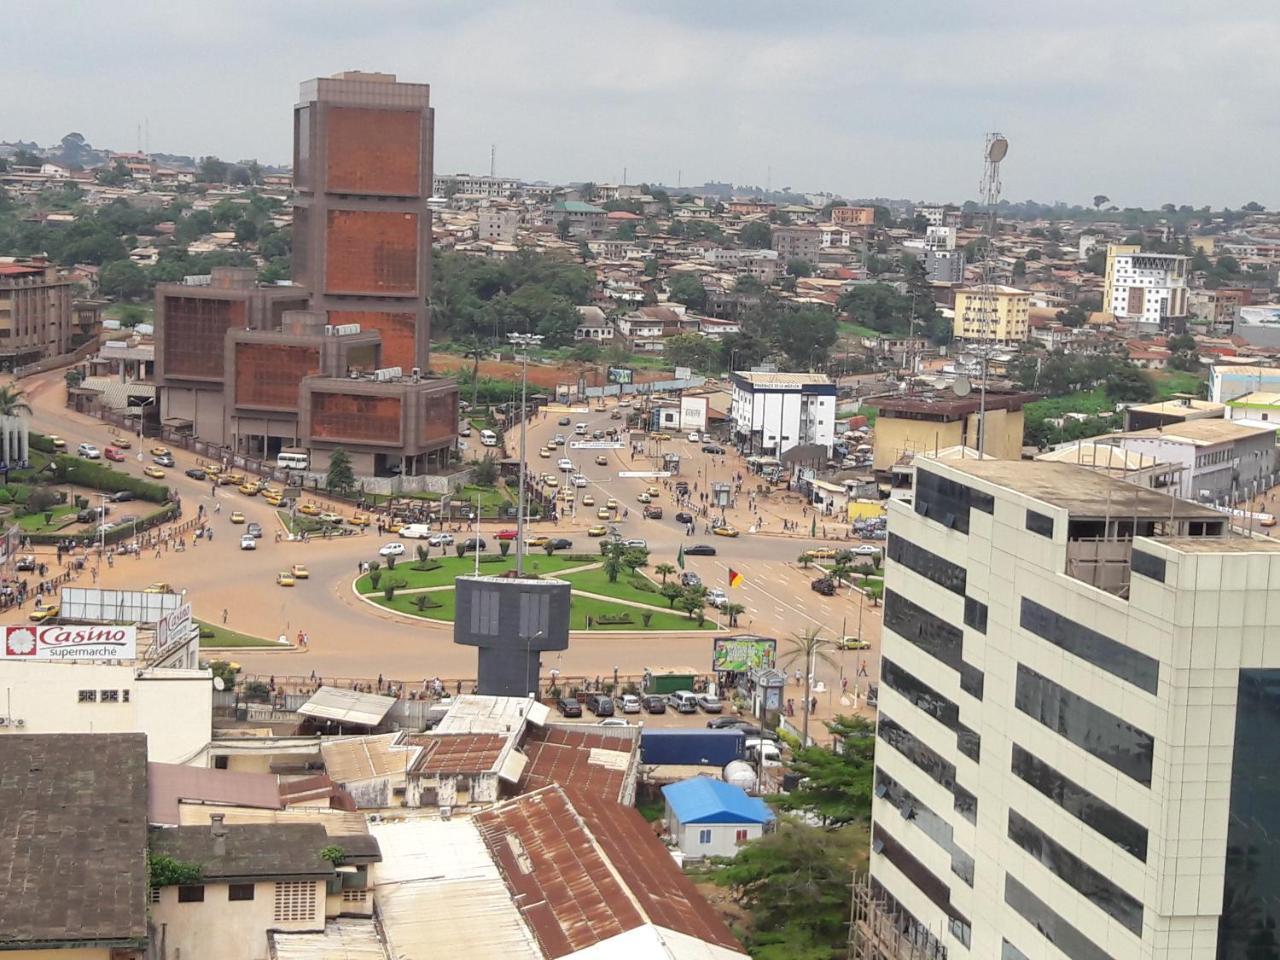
(927, 423)
(992, 312)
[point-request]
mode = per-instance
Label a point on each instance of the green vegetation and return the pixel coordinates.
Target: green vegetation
(164, 871)
(580, 608)
(635, 586)
(98, 476)
(35, 522)
(340, 478)
(444, 569)
(407, 604)
(847, 328)
(835, 784)
(212, 635)
(301, 523)
(1169, 382)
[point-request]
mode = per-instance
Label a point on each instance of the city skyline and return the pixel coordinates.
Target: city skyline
(856, 103)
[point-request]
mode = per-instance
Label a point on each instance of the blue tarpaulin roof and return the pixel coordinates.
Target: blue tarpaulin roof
(704, 800)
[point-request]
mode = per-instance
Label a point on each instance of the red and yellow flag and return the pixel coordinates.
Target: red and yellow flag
(735, 578)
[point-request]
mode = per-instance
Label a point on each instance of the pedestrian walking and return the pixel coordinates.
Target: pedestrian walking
(224, 615)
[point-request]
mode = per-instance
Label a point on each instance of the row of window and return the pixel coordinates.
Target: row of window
(739, 837)
(194, 893)
(294, 899)
(1096, 731)
(1116, 658)
(104, 696)
(1094, 812)
(939, 769)
(942, 640)
(937, 828)
(1055, 929)
(922, 877)
(1075, 873)
(929, 565)
(933, 703)
(948, 502)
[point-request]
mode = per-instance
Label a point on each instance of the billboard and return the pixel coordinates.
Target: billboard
(596, 444)
(31, 642)
(620, 375)
(116, 606)
(173, 630)
(683, 373)
(739, 654)
(693, 413)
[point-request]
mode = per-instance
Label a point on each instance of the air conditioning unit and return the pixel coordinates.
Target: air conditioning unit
(21, 722)
(416, 373)
(4, 721)
(328, 329)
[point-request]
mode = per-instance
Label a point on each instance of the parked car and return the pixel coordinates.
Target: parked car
(88, 451)
(655, 704)
(569, 707)
(613, 722)
(717, 598)
(766, 750)
(700, 550)
(473, 543)
(824, 585)
(92, 514)
(600, 705)
(195, 473)
(629, 703)
(122, 496)
(690, 579)
(683, 701)
(723, 723)
(248, 542)
(710, 703)
(694, 436)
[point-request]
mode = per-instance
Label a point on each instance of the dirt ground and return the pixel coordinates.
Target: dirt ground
(542, 375)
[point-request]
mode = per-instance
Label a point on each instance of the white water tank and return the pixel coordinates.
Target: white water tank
(741, 774)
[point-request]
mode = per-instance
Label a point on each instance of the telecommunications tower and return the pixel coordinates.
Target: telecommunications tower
(996, 148)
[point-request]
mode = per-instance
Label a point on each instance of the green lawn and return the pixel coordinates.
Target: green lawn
(34, 522)
(454, 566)
(1169, 382)
(857, 330)
(222, 637)
(580, 609)
(1093, 402)
(595, 581)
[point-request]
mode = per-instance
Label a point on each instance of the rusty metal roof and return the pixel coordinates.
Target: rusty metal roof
(595, 761)
(583, 870)
(457, 754)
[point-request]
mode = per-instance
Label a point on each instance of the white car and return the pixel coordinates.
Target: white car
(717, 597)
(629, 703)
(579, 480)
(89, 451)
(565, 464)
(865, 550)
(612, 722)
(637, 543)
(248, 542)
(767, 750)
(694, 437)
(440, 540)
(392, 550)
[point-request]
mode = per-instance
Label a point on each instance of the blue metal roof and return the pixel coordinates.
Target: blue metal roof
(704, 800)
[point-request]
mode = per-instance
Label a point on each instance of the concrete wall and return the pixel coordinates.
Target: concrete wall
(220, 929)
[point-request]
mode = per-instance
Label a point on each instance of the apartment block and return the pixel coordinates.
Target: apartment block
(853, 216)
(797, 243)
(1079, 703)
(35, 312)
(775, 412)
(1145, 289)
(992, 313)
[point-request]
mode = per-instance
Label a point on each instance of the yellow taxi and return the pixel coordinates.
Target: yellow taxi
(611, 503)
(121, 443)
(395, 526)
(273, 498)
(249, 489)
(155, 473)
(552, 482)
(653, 492)
(300, 571)
(269, 491)
(601, 460)
(45, 613)
(285, 578)
(57, 441)
(230, 479)
(539, 541)
(309, 509)
(659, 437)
(161, 451)
(599, 530)
(159, 587)
(822, 553)
(237, 517)
(725, 531)
(359, 520)
(588, 501)
(212, 469)
(603, 513)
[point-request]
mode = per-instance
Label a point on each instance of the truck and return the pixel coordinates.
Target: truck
(669, 681)
(691, 746)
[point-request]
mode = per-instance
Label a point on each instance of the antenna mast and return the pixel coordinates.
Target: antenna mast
(996, 148)
(493, 160)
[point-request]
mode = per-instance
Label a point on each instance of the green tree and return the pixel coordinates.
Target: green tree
(691, 350)
(756, 235)
(13, 402)
(693, 601)
(613, 561)
(213, 170)
(340, 479)
(1074, 316)
(671, 593)
(686, 288)
(1128, 384)
(485, 473)
(836, 784)
(733, 611)
(122, 279)
(585, 351)
(807, 335)
(665, 570)
(797, 267)
(807, 649)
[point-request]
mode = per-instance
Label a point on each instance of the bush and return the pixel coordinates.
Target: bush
(646, 618)
(374, 576)
(423, 552)
(39, 441)
(389, 591)
(427, 565)
(424, 601)
(87, 473)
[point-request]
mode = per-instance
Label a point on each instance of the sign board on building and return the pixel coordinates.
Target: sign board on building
(693, 413)
(683, 373)
(596, 444)
(116, 606)
(645, 474)
(173, 630)
(32, 642)
(739, 654)
(620, 375)
(563, 392)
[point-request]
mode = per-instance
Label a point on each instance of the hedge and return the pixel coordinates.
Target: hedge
(38, 441)
(170, 511)
(97, 476)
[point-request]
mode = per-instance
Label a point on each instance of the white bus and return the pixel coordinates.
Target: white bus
(415, 531)
(488, 438)
(293, 458)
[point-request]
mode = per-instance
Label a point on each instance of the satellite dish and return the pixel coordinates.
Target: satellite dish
(997, 149)
(218, 684)
(962, 387)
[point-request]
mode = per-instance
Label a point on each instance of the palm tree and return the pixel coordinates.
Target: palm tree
(732, 610)
(841, 570)
(613, 562)
(13, 402)
(664, 570)
(804, 560)
(472, 348)
(809, 649)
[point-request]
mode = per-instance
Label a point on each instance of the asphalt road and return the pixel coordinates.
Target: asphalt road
(351, 638)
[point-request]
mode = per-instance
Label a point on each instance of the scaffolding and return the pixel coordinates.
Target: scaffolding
(880, 930)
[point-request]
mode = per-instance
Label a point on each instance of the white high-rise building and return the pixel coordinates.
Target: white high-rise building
(1144, 288)
(1079, 725)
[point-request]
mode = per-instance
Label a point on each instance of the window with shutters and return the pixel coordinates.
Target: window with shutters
(295, 900)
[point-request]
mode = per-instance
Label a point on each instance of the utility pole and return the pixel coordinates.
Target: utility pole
(528, 341)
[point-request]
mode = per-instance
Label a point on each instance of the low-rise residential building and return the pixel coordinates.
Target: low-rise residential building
(448, 184)
(797, 243)
(927, 423)
(580, 219)
(593, 325)
(1178, 409)
(497, 225)
(1259, 326)
(944, 266)
(853, 216)
(1229, 381)
(1144, 289)
(1261, 406)
(992, 313)
(776, 412)
(710, 818)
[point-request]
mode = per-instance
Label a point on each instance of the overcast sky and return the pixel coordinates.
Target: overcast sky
(1149, 102)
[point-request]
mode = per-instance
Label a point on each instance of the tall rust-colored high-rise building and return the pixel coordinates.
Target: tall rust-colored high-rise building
(362, 148)
(311, 364)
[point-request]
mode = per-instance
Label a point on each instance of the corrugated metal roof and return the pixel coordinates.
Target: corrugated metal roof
(595, 761)
(655, 943)
(439, 894)
(337, 823)
(169, 783)
(705, 800)
(347, 706)
(457, 753)
(472, 713)
(344, 939)
(365, 758)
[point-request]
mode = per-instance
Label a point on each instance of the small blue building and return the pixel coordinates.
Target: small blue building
(711, 818)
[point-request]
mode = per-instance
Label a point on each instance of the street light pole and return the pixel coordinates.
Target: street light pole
(528, 341)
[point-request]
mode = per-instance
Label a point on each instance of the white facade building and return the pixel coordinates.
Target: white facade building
(1144, 288)
(1078, 720)
(940, 238)
(497, 226)
(773, 412)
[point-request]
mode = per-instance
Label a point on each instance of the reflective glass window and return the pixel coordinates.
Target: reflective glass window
(930, 633)
(1112, 656)
(1052, 926)
(929, 565)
